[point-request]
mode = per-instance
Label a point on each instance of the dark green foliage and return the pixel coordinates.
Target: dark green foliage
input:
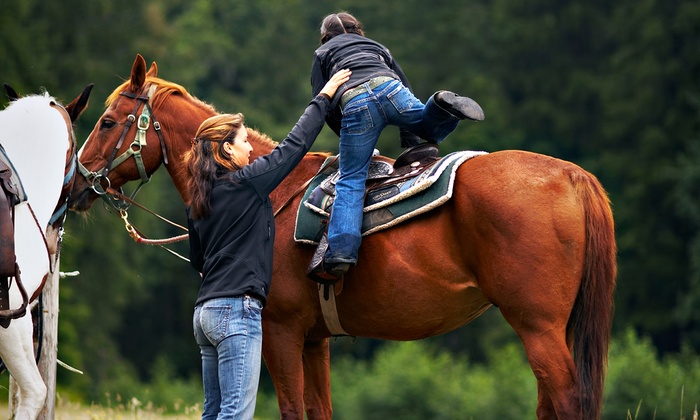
(612, 86)
(414, 381)
(663, 389)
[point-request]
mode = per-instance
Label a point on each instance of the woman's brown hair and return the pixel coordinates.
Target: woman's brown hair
(207, 160)
(339, 23)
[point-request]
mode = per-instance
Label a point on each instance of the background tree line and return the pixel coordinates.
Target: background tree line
(611, 86)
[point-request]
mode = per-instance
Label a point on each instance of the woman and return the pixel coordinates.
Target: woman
(378, 94)
(231, 232)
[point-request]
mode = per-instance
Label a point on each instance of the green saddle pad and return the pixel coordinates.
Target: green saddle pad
(418, 195)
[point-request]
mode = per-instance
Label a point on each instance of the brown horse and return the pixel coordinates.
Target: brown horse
(530, 234)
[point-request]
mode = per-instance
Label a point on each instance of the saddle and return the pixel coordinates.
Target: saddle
(410, 164)
(383, 179)
(383, 183)
(11, 194)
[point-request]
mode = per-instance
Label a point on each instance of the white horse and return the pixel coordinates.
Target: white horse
(36, 133)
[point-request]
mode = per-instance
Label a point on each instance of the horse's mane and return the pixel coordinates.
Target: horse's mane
(163, 90)
(257, 137)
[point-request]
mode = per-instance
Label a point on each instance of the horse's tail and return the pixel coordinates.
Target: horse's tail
(591, 318)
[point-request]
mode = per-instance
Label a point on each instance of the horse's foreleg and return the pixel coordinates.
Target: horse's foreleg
(317, 380)
(282, 351)
(17, 351)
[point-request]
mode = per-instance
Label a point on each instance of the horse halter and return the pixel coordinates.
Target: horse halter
(144, 122)
(59, 213)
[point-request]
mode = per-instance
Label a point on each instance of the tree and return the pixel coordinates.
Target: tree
(611, 86)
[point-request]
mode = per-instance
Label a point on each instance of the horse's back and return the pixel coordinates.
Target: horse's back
(515, 187)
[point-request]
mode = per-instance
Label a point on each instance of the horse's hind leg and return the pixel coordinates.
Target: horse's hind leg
(317, 386)
(551, 362)
(17, 351)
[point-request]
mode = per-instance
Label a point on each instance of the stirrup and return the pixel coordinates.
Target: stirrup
(316, 271)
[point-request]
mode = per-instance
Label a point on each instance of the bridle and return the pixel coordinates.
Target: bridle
(61, 210)
(134, 150)
(116, 200)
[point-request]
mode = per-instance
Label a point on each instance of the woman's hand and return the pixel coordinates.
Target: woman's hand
(338, 79)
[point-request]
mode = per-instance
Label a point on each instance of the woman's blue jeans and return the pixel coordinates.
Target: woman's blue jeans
(229, 334)
(364, 118)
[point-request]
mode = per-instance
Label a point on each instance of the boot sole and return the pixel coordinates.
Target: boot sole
(461, 106)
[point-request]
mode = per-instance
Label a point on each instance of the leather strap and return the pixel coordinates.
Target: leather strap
(6, 314)
(8, 260)
(7, 223)
(4, 300)
(326, 294)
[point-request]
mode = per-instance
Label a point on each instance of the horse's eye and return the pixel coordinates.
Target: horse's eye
(106, 124)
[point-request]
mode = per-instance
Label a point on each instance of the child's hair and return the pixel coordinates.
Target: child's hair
(339, 23)
(207, 160)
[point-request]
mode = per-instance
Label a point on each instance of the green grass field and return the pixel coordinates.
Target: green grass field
(132, 410)
(69, 411)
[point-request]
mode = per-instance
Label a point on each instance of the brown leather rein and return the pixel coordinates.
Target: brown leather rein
(114, 199)
(134, 233)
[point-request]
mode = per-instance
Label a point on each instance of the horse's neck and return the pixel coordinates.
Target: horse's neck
(35, 138)
(262, 144)
(178, 175)
(180, 124)
(179, 141)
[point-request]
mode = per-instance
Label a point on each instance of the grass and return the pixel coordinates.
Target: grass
(135, 410)
(129, 410)
(636, 413)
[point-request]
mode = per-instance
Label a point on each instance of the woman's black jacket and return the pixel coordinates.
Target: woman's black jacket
(232, 246)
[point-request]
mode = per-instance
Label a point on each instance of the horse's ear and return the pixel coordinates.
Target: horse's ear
(153, 71)
(138, 73)
(11, 92)
(78, 105)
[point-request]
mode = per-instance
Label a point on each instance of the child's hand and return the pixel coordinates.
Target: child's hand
(338, 79)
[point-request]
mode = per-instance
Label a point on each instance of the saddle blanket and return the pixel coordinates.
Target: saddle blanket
(417, 195)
